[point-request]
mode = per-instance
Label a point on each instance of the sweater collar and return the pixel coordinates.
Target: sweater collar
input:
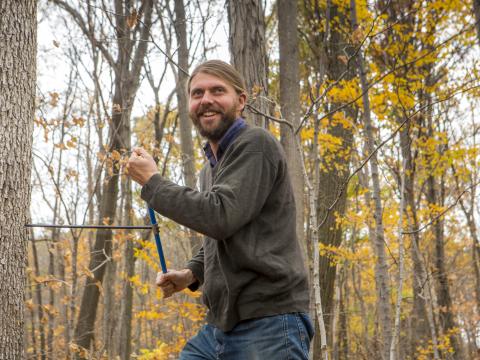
(224, 142)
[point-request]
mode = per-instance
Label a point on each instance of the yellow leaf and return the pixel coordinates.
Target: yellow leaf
(116, 155)
(357, 35)
(343, 59)
(71, 173)
(79, 121)
(54, 96)
(256, 90)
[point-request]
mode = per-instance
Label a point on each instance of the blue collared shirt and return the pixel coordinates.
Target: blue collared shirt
(224, 142)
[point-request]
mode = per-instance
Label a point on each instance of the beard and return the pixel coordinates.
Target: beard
(214, 134)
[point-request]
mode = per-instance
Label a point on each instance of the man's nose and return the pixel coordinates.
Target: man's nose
(206, 98)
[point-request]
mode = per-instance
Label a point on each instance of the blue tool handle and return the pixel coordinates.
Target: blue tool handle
(156, 233)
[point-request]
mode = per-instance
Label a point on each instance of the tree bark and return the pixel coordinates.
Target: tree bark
(39, 300)
(110, 311)
(420, 331)
(472, 227)
(342, 338)
(335, 170)
(127, 296)
(248, 51)
(447, 320)
(290, 105)
(476, 10)
(186, 142)
(18, 48)
(381, 266)
(420, 328)
(394, 349)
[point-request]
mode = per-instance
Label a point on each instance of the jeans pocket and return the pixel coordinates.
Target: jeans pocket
(306, 331)
(308, 323)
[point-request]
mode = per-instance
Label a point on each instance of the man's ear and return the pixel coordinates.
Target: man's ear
(242, 100)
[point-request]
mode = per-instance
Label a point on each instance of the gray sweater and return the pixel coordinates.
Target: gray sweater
(250, 264)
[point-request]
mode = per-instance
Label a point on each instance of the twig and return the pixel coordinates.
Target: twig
(269, 117)
(443, 212)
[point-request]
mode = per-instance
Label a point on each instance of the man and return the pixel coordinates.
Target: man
(250, 265)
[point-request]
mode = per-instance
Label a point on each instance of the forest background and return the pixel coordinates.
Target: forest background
(374, 103)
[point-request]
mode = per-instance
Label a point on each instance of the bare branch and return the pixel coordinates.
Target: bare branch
(77, 17)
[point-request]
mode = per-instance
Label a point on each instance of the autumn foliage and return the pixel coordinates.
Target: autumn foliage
(389, 143)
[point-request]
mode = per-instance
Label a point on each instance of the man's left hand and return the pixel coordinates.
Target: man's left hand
(141, 166)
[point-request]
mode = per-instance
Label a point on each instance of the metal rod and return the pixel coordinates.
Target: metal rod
(156, 232)
(153, 227)
(88, 226)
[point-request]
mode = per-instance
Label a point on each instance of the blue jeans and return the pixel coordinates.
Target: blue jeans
(279, 337)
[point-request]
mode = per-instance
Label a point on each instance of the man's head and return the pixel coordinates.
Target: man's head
(217, 97)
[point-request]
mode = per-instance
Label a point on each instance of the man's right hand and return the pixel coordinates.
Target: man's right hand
(174, 281)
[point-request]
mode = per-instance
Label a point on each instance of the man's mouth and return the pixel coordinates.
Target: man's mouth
(208, 114)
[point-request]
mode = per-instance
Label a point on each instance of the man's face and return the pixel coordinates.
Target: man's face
(213, 105)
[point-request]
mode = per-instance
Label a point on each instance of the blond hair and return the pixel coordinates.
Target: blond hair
(222, 70)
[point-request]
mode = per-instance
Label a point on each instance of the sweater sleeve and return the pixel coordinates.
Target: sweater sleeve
(196, 265)
(239, 192)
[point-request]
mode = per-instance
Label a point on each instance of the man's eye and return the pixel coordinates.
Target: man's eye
(196, 93)
(218, 90)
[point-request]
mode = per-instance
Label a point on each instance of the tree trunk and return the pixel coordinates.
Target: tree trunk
(334, 170)
(290, 105)
(447, 321)
(436, 195)
(33, 328)
(358, 300)
(381, 266)
(420, 329)
(84, 331)
(110, 311)
(51, 293)
(18, 48)
(472, 227)
(53, 246)
(186, 142)
(475, 260)
(476, 9)
(394, 348)
(342, 338)
(127, 296)
(248, 52)
(39, 300)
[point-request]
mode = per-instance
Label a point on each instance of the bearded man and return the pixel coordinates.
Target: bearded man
(250, 265)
